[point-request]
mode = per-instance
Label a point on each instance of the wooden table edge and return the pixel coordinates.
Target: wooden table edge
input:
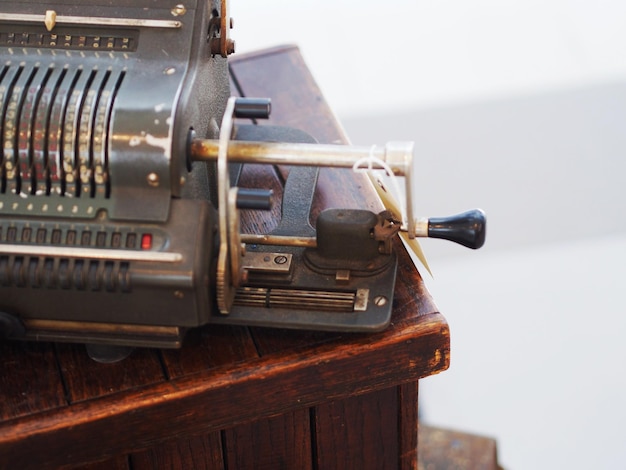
(121, 420)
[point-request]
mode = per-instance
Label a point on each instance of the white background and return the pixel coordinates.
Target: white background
(518, 107)
(371, 55)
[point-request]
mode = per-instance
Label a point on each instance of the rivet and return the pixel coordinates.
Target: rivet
(179, 10)
(230, 46)
(153, 179)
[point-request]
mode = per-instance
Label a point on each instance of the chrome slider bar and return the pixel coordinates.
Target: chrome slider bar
(51, 19)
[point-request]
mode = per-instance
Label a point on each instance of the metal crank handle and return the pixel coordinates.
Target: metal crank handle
(468, 228)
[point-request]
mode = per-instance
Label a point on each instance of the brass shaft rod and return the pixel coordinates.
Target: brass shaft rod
(279, 153)
(278, 240)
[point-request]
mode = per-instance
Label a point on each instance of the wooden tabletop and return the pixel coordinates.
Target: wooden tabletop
(59, 408)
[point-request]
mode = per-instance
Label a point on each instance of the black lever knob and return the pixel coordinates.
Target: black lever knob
(253, 108)
(468, 228)
(252, 198)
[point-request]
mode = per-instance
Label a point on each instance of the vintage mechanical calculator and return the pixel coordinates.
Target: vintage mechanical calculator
(119, 204)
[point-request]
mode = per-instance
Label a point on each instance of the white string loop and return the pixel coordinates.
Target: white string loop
(372, 163)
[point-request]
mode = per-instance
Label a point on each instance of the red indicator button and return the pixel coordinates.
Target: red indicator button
(146, 241)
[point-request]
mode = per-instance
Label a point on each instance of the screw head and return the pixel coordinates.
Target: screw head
(380, 300)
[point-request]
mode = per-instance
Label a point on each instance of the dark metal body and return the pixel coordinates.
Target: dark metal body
(107, 235)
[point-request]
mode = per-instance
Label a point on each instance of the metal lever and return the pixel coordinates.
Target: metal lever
(230, 251)
(398, 156)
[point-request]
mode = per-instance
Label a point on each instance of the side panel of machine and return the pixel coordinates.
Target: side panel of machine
(163, 279)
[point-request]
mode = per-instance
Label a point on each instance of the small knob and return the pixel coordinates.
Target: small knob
(253, 108)
(257, 199)
(10, 326)
(468, 228)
